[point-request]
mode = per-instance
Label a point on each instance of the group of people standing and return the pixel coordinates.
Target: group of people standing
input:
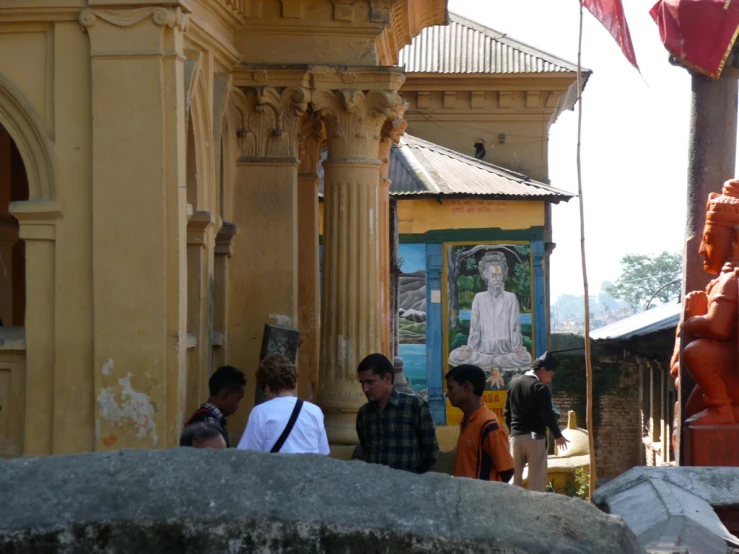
(394, 428)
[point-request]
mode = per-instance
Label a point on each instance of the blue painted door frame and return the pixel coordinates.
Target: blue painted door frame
(434, 347)
(540, 321)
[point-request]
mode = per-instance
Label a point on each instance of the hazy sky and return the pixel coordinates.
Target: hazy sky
(635, 136)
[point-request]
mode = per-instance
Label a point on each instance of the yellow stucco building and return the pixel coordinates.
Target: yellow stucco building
(470, 177)
(159, 204)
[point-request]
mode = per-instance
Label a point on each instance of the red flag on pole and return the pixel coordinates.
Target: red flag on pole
(699, 33)
(611, 14)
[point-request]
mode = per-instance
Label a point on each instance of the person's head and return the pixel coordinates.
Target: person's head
(375, 374)
(493, 270)
(719, 236)
(464, 383)
(202, 435)
(544, 366)
(227, 386)
(276, 374)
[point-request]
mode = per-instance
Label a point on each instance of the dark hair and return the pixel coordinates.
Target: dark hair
(199, 432)
(469, 373)
(278, 372)
(377, 364)
(226, 378)
(546, 361)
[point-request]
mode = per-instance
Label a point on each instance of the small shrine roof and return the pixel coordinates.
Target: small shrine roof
(465, 46)
(419, 168)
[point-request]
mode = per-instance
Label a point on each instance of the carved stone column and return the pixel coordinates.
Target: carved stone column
(139, 224)
(392, 130)
(265, 254)
(200, 246)
(351, 302)
(221, 287)
(313, 140)
(38, 228)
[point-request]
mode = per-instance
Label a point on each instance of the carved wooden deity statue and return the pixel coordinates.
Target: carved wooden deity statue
(710, 319)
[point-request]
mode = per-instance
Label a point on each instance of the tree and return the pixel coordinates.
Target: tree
(642, 276)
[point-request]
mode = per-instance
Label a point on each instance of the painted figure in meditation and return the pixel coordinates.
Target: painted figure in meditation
(710, 318)
(495, 329)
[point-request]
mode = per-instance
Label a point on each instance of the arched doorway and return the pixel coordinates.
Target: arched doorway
(13, 188)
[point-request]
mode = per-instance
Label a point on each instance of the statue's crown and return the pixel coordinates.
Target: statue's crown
(723, 209)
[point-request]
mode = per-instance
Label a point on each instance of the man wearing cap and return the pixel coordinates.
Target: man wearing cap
(529, 412)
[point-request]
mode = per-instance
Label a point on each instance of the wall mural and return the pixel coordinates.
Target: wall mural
(488, 290)
(412, 314)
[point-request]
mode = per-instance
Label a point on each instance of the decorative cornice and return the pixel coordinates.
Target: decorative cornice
(269, 120)
(408, 18)
(392, 130)
(174, 18)
(224, 237)
(354, 119)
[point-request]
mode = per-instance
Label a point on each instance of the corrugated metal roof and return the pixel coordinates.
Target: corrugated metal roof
(660, 318)
(464, 46)
(422, 168)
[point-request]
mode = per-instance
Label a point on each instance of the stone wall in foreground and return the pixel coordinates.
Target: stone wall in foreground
(197, 501)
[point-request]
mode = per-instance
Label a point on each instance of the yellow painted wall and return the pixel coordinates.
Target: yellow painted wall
(423, 215)
(525, 150)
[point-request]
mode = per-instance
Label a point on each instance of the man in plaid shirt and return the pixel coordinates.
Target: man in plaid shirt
(395, 429)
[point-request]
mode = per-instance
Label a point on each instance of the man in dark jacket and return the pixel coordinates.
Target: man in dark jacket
(529, 412)
(226, 387)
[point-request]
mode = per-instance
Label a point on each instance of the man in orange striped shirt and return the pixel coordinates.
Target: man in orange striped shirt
(482, 448)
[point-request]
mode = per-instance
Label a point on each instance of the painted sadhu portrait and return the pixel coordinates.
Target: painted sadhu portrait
(489, 294)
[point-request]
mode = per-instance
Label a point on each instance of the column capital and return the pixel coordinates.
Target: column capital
(269, 120)
(354, 119)
(224, 238)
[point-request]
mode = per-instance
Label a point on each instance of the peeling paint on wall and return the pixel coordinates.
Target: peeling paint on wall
(131, 407)
(108, 367)
(280, 319)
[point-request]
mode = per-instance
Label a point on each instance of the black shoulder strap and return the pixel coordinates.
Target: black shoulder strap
(289, 426)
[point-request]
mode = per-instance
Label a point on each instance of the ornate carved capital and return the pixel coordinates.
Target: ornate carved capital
(312, 141)
(270, 120)
(354, 119)
(392, 130)
(174, 18)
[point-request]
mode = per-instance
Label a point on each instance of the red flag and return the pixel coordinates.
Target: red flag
(699, 33)
(611, 14)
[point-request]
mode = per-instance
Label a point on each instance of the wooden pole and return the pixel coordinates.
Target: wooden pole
(588, 364)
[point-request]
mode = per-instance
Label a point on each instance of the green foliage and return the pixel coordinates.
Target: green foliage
(460, 339)
(410, 332)
(519, 283)
(582, 483)
(641, 276)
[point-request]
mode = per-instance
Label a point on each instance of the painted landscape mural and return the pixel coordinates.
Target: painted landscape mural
(489, 319)
(412, 314)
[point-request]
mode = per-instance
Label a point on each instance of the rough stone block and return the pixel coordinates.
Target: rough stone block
(207, 501)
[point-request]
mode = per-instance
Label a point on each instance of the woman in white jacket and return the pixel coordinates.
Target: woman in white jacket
(283, 423)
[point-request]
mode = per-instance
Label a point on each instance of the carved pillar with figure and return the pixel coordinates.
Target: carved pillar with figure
(392, 130)
(313, 140)
(351, 301)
